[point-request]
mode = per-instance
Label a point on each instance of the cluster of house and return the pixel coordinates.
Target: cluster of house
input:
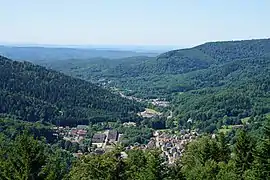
(107, 138)
(171, 145)
(74, 134)
(101, 142)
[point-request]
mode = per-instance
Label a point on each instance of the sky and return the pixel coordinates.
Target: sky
(176, 23)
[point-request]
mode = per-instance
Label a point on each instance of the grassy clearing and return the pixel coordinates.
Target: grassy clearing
(225, 129)
(245, 120)
(152, 111)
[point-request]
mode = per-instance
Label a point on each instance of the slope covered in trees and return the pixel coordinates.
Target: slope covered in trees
(186, 60)
(214, 84)
(33, 93)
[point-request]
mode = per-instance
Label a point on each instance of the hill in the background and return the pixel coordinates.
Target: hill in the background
(167, 73)
(39, 54)
(33, 93)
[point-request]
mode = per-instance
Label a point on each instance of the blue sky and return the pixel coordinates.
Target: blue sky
(132, 22)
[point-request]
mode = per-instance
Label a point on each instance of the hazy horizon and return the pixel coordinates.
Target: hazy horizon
(115, 46)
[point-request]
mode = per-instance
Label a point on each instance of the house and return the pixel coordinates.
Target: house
(98, 138)
(81, 132)
(151, 145)
(112, 136)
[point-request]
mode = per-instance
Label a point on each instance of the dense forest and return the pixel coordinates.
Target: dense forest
(172, 71)
(214, 84)
(33, 93)
(23, 156)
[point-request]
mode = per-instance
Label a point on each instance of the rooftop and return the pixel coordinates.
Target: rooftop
(98, 138)
(112, 135)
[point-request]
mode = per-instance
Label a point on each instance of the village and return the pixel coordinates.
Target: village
(100, 142)
(171, 144)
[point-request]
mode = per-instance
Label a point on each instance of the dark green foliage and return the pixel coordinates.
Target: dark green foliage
(133, 135)
(57, 165)
(223, 147)
(95, 167)
(155, 123)
(27, 158)
(200, 152)
(174, 172)
(213, 158)
(35, 94)
(261, 167)
(11, 128)
(264, 150)
(138, 165)
(241, 94)
(22, 159)
(243, 152)
(226, 51)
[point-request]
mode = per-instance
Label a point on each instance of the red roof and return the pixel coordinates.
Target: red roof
(81, 132)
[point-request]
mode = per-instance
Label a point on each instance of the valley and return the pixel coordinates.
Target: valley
(208, 99)
(206, 83)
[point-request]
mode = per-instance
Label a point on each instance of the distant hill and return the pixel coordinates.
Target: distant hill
(201, 57)
(166, 72)
(37, 54)
(33, 93)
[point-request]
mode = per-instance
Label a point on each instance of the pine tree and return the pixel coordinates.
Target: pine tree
(155, 169)
(24, 158)
(263, 153)
(243, 154)
(224, 151)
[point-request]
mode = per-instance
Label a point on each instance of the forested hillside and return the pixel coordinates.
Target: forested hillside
(95, 68)
(214, 84)
(33, 93)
